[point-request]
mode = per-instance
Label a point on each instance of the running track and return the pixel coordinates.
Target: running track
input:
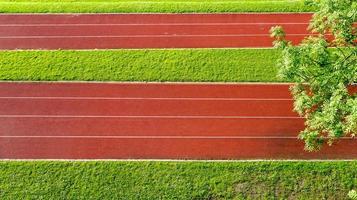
(112, 31)
(153, 121)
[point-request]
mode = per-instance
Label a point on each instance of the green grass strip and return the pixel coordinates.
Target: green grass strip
(151, 6)
(176, 65)
(176, 180)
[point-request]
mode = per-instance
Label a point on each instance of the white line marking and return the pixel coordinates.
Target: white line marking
(163, 24)
(151, 98)
(187, 160)
(153, 116)
(142, 36)
(153, 137)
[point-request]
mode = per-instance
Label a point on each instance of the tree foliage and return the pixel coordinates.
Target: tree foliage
(352, 195)
(324, 68)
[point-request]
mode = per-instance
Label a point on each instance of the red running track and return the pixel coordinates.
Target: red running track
(153, 121)
(112, 31)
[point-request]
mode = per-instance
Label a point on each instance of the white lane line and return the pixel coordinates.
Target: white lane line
(150, 98)
(154, 137)
(143, 36)
(153, 116)
(163, 24)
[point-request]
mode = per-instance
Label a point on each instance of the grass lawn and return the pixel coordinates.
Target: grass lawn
(208, 65)
(176, 180)
(155, 6)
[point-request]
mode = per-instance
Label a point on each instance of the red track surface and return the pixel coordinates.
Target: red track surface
(102, 31)
(118, 121)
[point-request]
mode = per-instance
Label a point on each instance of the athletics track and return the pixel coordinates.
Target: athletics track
(115, 31)
(153, 121)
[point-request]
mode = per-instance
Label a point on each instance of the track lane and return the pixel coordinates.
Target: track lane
(242, 127)
(145, 90)
(166, 148)
(152, 18)
(146, 107)
(147, 29)
(130, 42)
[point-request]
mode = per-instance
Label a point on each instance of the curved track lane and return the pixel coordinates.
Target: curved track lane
(153, 121)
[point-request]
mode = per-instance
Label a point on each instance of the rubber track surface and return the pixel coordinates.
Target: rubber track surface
(153, 121)
(112, 31)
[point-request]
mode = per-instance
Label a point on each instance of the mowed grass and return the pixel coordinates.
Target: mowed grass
(177, 65)
(176, 180)
(152, 6)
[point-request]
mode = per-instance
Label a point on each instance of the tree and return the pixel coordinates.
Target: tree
(323, 67)
(352, 195)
